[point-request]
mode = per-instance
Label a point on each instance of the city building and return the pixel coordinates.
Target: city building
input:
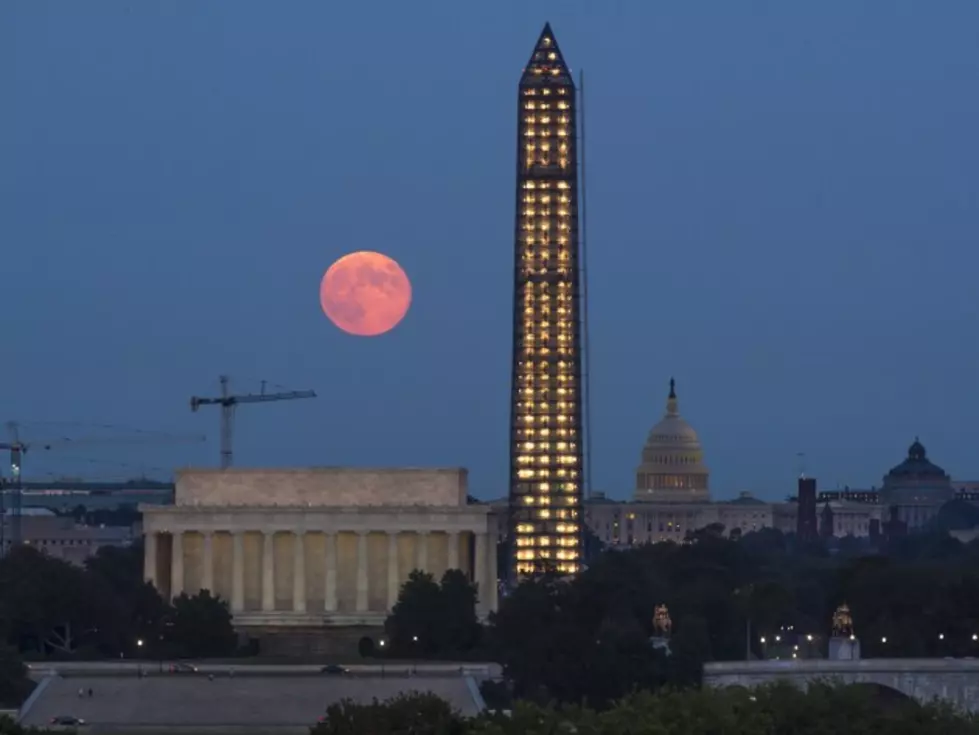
(61, 537)
(65, 495)
(672, 497)
(672, 493)
(672, 469)
(805, 526)
(546, 433)
(314, 548)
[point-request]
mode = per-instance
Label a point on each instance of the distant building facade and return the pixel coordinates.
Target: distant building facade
(672, 497)
(65, 495)
(62, 538)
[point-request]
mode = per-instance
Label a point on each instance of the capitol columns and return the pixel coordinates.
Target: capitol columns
(393, 581)
(299, 572)
(362, 579)
(268, 572)
(149, 558)
(481, 574)
(453, 550)
(330, 581)
(177, 564)
(237, 572)
(208, 561)
(421, 563)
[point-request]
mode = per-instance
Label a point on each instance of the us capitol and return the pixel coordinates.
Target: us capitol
(672, 497)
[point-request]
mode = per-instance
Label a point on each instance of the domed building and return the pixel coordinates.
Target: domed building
(672, 468)
(917, 487)
(672, 497)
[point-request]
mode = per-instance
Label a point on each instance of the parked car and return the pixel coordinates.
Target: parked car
(182, 667)
(67, 721)
(334, 669)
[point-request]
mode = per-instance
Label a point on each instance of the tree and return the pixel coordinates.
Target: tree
(365, 647)
(15, 685)
(120, 566)
(413, 625)
(459, 629)
(47, 603)
(689, 650)
(431, 619)
(136, 605)
(415, 713)
(201, 626)
(774, 709)
(9, 726)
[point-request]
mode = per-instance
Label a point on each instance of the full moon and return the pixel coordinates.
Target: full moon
(365, 293)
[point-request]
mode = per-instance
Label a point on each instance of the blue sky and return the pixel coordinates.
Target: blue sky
(783, 214)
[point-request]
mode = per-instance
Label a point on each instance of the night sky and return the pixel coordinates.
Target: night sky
(783, 212)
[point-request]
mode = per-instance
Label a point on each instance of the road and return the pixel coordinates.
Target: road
(243, 668)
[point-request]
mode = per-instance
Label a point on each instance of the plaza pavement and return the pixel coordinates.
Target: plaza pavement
(222, 703)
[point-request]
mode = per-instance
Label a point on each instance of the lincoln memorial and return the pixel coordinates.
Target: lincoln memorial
(316, 547)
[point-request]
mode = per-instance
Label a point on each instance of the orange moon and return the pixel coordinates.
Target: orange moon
(365, 293)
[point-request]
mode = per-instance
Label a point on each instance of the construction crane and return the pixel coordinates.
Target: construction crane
(12, 488)
(229, 402)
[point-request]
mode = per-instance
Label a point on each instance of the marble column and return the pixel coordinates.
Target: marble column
(268, 572)
(453, 550)
(393, 580)
(177, 564)
(149, 558)
(299, 572)
(421, 563)
(362, 580)
(208, 575)
(480, 569)
(237, 572)
(330, 583)
(491, 575)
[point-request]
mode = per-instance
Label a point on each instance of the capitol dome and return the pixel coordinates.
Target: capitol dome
(672, 468)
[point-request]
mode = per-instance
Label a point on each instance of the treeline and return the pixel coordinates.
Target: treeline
(588, 639)
(771, 710)
(52, 609)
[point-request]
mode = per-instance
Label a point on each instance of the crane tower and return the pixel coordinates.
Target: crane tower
(229, 402)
